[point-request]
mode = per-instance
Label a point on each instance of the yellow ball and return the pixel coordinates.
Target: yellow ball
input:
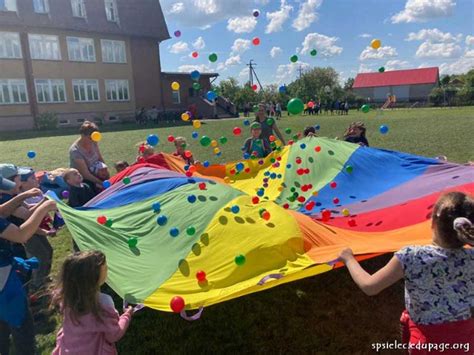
(185, 117)
(376, 43)
(346, 212)
(214, 143)
(281, 188)
(197, 124)
(227, 179)
(175, 85)
(217, 150)
(96, 136)
(315, 193)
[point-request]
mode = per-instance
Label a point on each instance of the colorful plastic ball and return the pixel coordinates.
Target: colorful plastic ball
(294, 58)
(256, 41)
(126, 180)
(32, 154)
(214, 143)
(196, 86)
(333, 184)
(106, 184)
(177, 304)
(345, 212)
(375, 44)
(101, 220)
(195, 54)
(196, 124)
(206, 164)
(383, 129)
(223, 140)
(326, 215)
(216, 150)
(381, 69)
(205, 141)
(175, 86)
(349, 169)
(237, 131)
(246, 156)
(185, 116)
(177, 33)
(254, 87)
(132, 242)
(190, 231)
(174, 232)
(365, 108)
(192, 198)
(352, 223)
(235, 209)
(156, 207)
(213, 57)
(239, 166)
(201, 276)
(96, 136)
(195, 75)
(202, 186)
(282, 89)
(256, 13)
(170, 139)
(255, 200)
(109, 223)
(246, 123)
(266, 215)
(335, 200)
(302, 146)
(317, 127)
(270, 121)
(317, 149)
(288, 131)
(152, 140)
(240, 260)
(295, 106)
(211, 96)
(313, 52)
(65, 194)
(162, 220)
(195, 135)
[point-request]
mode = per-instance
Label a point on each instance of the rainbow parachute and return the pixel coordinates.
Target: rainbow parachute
(251, 225)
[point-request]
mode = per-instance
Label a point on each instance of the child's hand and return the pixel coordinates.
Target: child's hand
(129, 311)
(32, 193)
(346, 255)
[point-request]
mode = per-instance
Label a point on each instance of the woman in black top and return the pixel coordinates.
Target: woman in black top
(268, 125)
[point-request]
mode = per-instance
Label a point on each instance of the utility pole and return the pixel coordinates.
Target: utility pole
(300, 71)
(253, 73)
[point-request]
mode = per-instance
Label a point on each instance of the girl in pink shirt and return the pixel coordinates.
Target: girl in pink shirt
(91, 324)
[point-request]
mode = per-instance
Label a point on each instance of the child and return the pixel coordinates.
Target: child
(121, 166)
(439, 278)
(144, 152)
(255, 145)
(79, 192)
(91, 324)
(356, 134)
(309, 131)
(100, 170)
(180, 144)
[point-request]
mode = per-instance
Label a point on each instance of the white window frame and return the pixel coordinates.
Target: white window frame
(178, 101)
(51, 85)
(11, 85)
(44, 47)
(111, 11)
(10, 41)
(9, 5)
(84, 83)
(78, 9)
(41, 6)
(114, 87)
(80, 45)
(109, 49)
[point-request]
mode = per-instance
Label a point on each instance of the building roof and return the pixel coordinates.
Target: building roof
(397, 77)
(212, 75)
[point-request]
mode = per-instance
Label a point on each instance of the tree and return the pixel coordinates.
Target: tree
(445, 80)
(229, 88)
(437, 96)
(349, 84)
(316, 84)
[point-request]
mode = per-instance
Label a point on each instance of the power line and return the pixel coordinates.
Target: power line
(253, 73)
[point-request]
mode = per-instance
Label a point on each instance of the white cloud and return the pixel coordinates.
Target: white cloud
(325, 45)
(469, 53)
(307, 14)
(365, 35)
(241, 45)
(433, 35)
(365, 68)
(381, 53)
(275, 51)
(188, 68)
(245, 24)
(288, 72)
(278, 18)
(244, 74)
(233, 60)
(469, 40)
(460, 66)
(438, 50)
(199, 43)
(176, 8)
(179, 47)
(396, 65)
(424, 10)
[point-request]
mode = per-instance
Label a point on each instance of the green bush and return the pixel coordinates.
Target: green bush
(46, 121)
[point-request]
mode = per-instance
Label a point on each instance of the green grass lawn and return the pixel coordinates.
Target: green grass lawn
(326, 313)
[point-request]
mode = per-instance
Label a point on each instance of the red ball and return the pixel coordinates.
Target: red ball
(266, 215)
(290, 142)
(300, 171)
(286, 206)
(326, 215)
(237, 131)
(201, 276)
(333, 185)
(195, 54)
(306, 171)
(317, 149)
(310, 206)
(254, 87)
(202, 186)
(102, 220)
(177, 304)
(279, 158)
(272, 138)
(301, 199)
(256, 41)
(352, 223)
(335, 200)
(188, 154)
(170, 138)
(298, 160)
(232, 171)
(255, 200)
(189, 173)
(304, 188)
(247, 170)
(192, 169)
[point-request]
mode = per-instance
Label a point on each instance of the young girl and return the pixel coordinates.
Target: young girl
(91, 324)
(439, 279)
(180, 144)
(144, 152)
(356, 134)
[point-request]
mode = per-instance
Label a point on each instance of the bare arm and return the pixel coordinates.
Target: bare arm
(278, 133)
(84, 170)
(372, 285)
(9, 207)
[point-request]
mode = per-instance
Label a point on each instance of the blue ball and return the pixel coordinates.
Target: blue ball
(235, 209)
(174, 232)
(186, 167)
(239, 167)
(191, 198)
(195, 135)
(288, 166)
(273, 176)
(246, 123)
(302, 146)
(266, 173)
(219, 154)
(246, 156)
(260, 192)
(195, 75)
(106, 184)
(279, 176)
(31, 154)
(317, 127)
(282, 89)
(156, 207)
(162, 220)
(383, 129)
(152, 140)
(206, 164)
(211, 95)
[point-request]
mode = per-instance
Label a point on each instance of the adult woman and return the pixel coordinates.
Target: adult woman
(84, 153)
(268, 124)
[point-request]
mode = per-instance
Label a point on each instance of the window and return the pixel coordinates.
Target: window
(81, 49)
(10, 45)
(117, 90)
(111, 10)
(78, 8)
(7, 5)
(50, 91)
(113, 51)
(44, 47)
(86, 90)
(41, 6)
(176, 97)
(13, 91)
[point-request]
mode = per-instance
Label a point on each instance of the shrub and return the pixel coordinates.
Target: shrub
(46, 120)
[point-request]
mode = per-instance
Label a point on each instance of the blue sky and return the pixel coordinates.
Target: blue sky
(414, 33)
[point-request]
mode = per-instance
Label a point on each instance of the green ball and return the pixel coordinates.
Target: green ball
(311, 160)
(288, 131)
(294, 58)
(314, 52)
(213, 57)
(365, 108)
(132, 242)
(255, 108)
(205, 141)
(223, 140)
(196, 86)
(126, 180)
(191, 231)
(270, 121)
(109, 223)
(381, 69)
(295, 106)
(240, 260)
(349, 169)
